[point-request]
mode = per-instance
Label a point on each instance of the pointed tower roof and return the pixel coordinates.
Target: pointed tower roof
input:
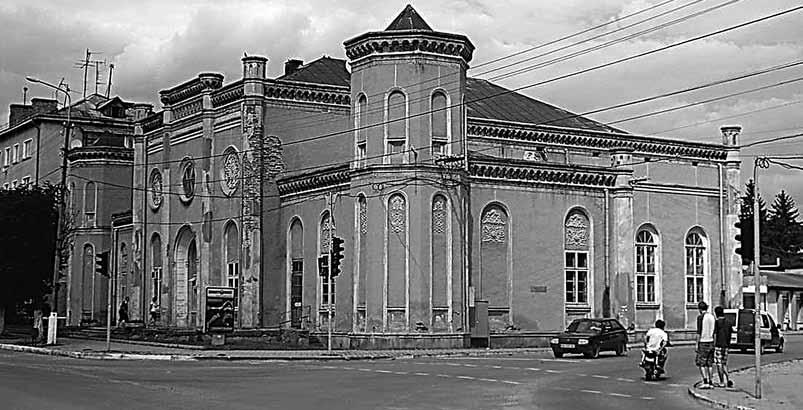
(408, 19)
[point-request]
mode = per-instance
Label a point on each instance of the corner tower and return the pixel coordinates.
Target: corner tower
(408, 83)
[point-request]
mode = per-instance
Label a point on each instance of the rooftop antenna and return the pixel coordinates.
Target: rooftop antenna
(24, 95)
(98, 80)
(86, 63)
(109, 84)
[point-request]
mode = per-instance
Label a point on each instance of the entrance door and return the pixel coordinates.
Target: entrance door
(192, 283)
(296, 289)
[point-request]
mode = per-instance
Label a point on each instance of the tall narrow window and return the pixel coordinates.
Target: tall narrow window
(192, 282)
(440, 130)
(87, 282)
(695, 268)
(362, 261)
(16, 155)
(576, 243)
(396, 128)
(441, 269)
(296, 273)
(90, 202)
(156, 269)
(26, 148)
(396, 240)
(232, 258)
(494, 280)
(7, 157)
(123, 277)
(362, 132)
(646, 272)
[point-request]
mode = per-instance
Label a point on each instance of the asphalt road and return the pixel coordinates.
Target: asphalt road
(535, 381)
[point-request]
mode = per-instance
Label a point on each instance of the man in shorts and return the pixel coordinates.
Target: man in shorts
(722, 336)
(705, 344)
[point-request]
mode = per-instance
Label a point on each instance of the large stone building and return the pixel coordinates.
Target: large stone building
(451, 193)
(99, 169)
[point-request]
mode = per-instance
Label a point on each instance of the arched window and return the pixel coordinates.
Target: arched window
(187, 180)
(362, 132)
(362, 261)
(646, 267)
(156, 268)
(495, 261)
(87, 281)
(396, 239)
(441, 271)
(440, 127)
(90, 203)
(296, 273)
(324, 238)
(695, 267)
(577, 266)
(396, 124)
(232, 259)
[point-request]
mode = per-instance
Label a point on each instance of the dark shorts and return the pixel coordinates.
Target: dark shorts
(721, 356)
(705, 354)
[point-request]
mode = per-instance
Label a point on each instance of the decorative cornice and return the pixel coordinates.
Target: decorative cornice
(518, 172)
(327, 178)
(305, 92)
(381, 42)
(595, 139)
(100, 153)
(153, 122)
(191, 88)
(227, 94)
(187, 109)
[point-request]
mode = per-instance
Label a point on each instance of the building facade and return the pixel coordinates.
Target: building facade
(453, 195)
(99, 172)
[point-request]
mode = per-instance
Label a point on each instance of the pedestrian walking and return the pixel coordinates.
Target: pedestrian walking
(154, 310)
(722, 341)
(704, 359)
(122, 313)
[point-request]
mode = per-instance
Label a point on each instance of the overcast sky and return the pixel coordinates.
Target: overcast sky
(157, 44)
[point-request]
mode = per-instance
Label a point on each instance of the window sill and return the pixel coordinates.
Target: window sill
(648, 306)
(690, 305)
(577, 308)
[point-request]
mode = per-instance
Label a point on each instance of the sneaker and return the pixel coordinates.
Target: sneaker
(705, 386)
(730, 384)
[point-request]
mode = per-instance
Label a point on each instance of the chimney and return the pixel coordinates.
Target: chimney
(140, 111)
(730, 134)
(44, 105)
(292, 65)
(19, 113)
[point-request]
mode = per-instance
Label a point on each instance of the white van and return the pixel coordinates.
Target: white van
(743, 337)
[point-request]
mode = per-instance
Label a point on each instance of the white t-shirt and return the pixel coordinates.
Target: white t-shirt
(656, 338)
(707, 333)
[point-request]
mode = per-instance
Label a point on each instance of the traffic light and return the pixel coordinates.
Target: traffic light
(323, 265)
(337, 255)
(745, 239)
(102, 264)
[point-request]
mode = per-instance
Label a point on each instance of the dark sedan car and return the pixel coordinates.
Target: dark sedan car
(591, 336)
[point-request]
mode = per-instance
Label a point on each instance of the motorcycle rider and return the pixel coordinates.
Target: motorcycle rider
(656, 340)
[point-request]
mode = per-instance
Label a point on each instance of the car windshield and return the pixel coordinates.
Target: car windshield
(584, 326)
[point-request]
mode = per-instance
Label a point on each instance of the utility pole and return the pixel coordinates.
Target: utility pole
(329, 300)
(760, 162)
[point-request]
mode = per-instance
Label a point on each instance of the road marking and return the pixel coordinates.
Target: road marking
(365, 370)
(560, 360)
(591, 391)
(676, 385)
(469, 365)
(496, 367)
(401, 373)
(443, 375)
(383, 371)
(622, 379)
(489, 380)
(553, 371)
(535, 369)
(347, 368)
(619, 395)
(509, 382)
(647, 398)
(421, 374)
(599, 376)
(466, 377)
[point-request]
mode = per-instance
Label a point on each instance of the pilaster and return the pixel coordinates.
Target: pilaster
(622, 239)
(733, 180)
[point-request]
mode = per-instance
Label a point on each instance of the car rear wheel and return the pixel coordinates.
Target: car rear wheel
(621, 348)
(558, 354)
(593, 353)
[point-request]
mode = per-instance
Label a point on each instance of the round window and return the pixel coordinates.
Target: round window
(230, 171)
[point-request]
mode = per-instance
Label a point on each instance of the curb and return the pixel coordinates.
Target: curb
(93, 355)
(716, 403)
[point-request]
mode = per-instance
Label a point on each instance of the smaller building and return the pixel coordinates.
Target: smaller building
(99, 172)
(781, 296)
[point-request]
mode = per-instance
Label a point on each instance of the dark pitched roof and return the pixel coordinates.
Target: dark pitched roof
(325, 70)
(493, 102)
(783, 280)
(408, 19)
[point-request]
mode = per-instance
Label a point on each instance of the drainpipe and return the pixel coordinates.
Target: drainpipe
(38, 135)
(606, 296)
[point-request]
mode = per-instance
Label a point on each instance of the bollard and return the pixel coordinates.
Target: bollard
(52, 323)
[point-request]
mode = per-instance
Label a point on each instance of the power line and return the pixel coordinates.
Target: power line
(773, 107)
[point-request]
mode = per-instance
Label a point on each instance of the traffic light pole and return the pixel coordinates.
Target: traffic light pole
(329, 275)
(759, 163)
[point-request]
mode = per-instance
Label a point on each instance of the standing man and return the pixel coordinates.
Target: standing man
(722, 336)
(705, 344)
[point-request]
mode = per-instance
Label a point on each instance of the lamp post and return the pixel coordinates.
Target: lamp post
(61, 217)
(760, 162)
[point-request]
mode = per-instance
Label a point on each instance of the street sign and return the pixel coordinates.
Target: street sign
(219, 309)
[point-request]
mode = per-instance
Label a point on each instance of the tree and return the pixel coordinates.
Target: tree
(28, 219)
(746, 222)
(784, 231)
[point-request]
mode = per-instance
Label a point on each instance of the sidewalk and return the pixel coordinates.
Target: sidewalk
(780, 389)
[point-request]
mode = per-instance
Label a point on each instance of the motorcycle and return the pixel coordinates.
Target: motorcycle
(650, 362)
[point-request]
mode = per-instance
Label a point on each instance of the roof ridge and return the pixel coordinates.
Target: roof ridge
(408, 19)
